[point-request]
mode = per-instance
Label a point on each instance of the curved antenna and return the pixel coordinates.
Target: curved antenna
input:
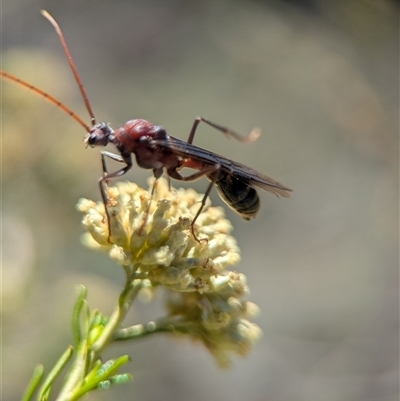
(71, 64)
(48, 97)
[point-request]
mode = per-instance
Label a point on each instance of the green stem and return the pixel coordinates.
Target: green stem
(76, 374)
(87, 353)
(126, 298)
(163, 325)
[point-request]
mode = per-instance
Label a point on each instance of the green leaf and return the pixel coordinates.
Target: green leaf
(110, 367)
(54, 372)
(76, 316)
(120, 379)
(103, 374)
(33, 383)
(115, 380)
(93, 373)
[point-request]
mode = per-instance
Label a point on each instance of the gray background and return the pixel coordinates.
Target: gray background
(321, 80)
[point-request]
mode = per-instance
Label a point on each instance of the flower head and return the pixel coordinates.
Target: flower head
(152, 239)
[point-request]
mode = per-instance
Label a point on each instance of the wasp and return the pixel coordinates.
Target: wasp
(155, 150)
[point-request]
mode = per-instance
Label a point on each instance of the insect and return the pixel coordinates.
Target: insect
(154, 149)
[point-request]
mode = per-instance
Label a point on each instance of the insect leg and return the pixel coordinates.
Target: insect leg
(226, 131)
(207, 170)
(112, 156)
(106, 176)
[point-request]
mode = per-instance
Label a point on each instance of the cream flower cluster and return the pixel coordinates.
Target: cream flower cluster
(152, 238)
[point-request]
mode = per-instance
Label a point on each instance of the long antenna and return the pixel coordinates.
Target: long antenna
(48, 97)
(71, 64)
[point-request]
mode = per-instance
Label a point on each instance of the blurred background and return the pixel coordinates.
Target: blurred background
(320, 78)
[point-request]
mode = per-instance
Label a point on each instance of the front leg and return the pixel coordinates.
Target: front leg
(106, 176)
(112, 156)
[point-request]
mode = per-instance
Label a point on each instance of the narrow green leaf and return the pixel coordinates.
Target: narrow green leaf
(77, 313)
(46, 395)
(33, 383)
(84, 321)
(115, 380)
(93, 373)
(121, 379)
(106, 371)
(95, 319)
(110, 367)
(105, 385)
(54, 372)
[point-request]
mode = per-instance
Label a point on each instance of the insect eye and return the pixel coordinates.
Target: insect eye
(92, 139)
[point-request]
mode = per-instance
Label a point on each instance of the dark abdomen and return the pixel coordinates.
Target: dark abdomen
(237, 194)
